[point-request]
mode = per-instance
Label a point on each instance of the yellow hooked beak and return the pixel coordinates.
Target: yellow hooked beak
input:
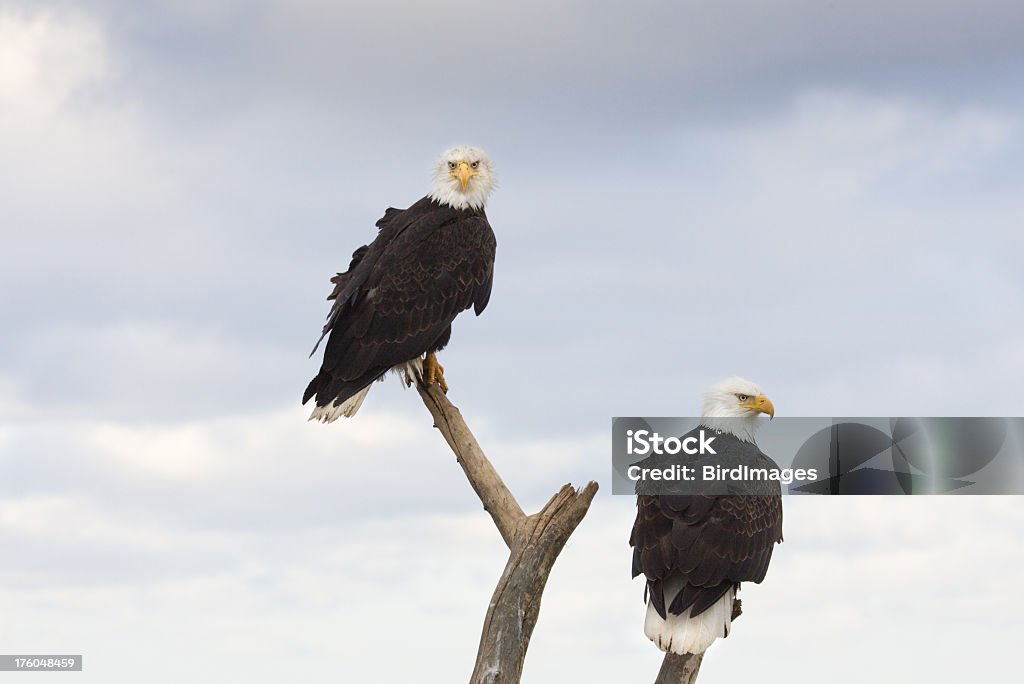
(761, 404)
(464, 173)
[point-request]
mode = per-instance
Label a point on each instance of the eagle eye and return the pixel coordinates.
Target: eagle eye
(742, 397)
(451, 165)
(475, 164)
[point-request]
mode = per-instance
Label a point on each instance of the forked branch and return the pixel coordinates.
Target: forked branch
(534, 543)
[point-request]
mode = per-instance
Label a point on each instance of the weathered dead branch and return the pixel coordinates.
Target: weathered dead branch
(534, 542)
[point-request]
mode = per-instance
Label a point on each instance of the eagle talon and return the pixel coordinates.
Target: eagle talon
(433, 373)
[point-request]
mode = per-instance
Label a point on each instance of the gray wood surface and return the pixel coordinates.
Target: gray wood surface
(534, 542)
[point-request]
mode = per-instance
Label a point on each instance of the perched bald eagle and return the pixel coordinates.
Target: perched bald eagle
(394, 307)
(695, 549)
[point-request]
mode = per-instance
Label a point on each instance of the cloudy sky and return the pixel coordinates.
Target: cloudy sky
(823, 197)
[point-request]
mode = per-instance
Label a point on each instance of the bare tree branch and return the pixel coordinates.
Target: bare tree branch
(534, 542)
(679, 669)
(488, 485)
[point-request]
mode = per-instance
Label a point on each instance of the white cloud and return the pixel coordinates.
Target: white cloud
(848, 241)
(46, 59)
(146, 371)
(83, 180)
(69, 520)
(13, 404)
(343, 590)
(251, 471)
(250, 446)
(845, 147)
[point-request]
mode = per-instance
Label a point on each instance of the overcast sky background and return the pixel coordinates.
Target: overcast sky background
(825, 198)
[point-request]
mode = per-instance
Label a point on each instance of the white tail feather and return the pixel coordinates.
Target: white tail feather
(684, 634)
(410, 372)
(331, 412)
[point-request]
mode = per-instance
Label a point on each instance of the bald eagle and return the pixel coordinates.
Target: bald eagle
(695, 549)
(394, 306)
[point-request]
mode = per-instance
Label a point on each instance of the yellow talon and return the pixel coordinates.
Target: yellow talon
(433, 372)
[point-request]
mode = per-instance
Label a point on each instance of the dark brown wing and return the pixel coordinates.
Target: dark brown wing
(428, 264)
(712, 542)
(388, 227)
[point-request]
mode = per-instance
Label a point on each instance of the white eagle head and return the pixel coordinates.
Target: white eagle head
(463, 178)
(738, 402)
